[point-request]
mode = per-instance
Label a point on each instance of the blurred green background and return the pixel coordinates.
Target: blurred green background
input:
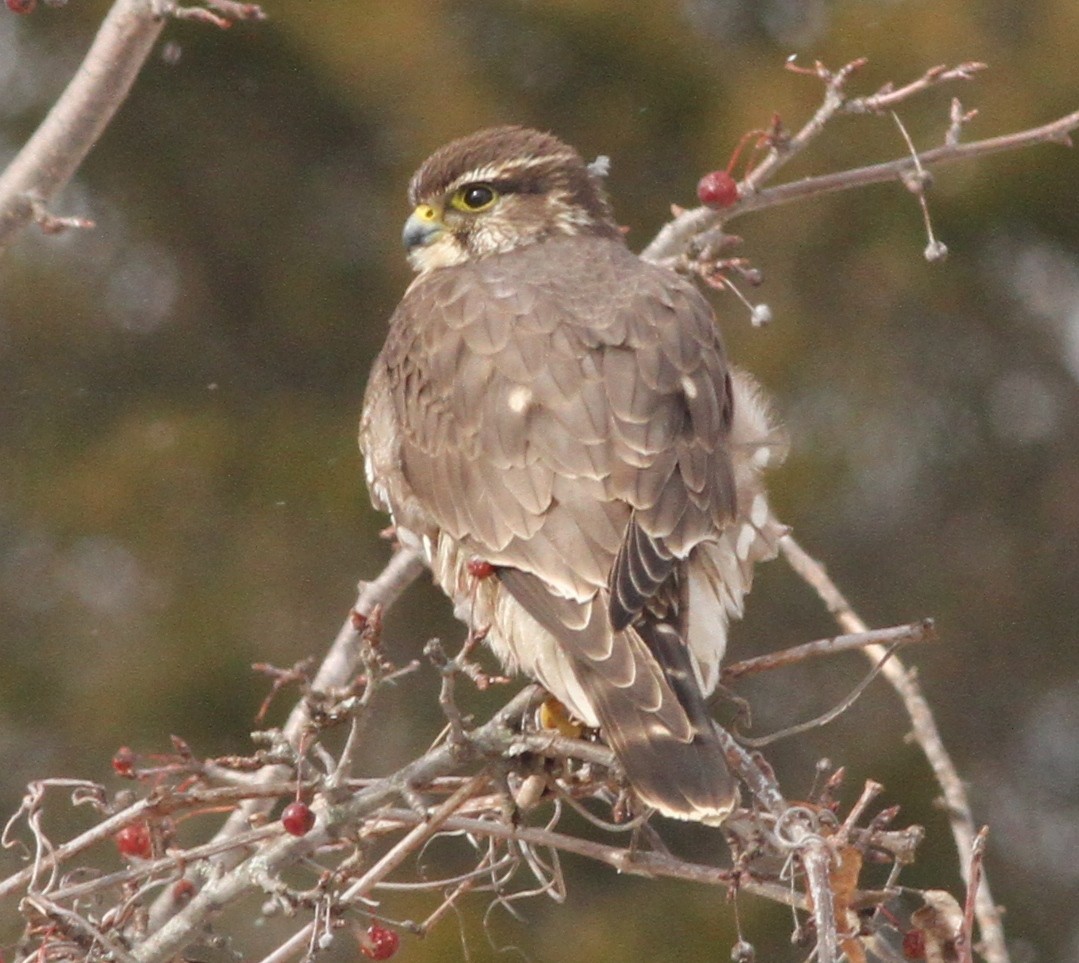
(180, 492)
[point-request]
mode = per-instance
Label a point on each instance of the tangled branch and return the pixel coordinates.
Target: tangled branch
(773, 842)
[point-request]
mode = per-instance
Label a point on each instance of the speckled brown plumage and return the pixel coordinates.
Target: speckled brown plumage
(548, 402)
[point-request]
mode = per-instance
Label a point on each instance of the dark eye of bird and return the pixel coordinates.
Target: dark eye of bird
(477, 196)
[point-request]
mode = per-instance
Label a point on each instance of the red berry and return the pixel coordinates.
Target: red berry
(717, 189)
(21, 6)
(379, 943)
(479, 569)
(134, 840)
(914, 945)
(123, 763)
(297, 818)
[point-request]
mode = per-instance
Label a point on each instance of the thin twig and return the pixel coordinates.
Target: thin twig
(785, 149)
(444, 907)
(79, 927)
(1055, 132)
(397, 855)
(870, 791)
(923, 631)
(624, 860)
(758, 778)
(977, 856)
(916, 181)
(957, 119)
(671, 239)
(889, 96)
(449, 669)
(759, 742)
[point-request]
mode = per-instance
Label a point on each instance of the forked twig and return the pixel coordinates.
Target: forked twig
(675, 236)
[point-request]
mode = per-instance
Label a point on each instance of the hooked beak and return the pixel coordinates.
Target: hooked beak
(424, 224)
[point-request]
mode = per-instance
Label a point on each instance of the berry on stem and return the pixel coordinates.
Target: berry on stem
(297, 818)
(379, 943)
(134, 840)
(717, 189)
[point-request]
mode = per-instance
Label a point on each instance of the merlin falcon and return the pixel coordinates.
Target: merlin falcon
(551, 405)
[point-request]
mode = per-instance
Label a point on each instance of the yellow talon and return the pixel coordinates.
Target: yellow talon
(554, 715)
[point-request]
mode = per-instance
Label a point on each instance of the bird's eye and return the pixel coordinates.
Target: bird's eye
(474, 197)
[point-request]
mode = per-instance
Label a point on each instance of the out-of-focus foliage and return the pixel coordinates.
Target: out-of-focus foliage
(180, 493)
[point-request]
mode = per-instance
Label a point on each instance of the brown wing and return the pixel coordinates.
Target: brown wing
(563, 410)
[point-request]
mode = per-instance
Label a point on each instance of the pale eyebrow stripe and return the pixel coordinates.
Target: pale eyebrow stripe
(493, 172)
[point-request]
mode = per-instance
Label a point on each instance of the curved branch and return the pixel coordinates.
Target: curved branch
(57, 148)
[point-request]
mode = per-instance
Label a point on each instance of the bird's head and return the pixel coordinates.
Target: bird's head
(500, 189)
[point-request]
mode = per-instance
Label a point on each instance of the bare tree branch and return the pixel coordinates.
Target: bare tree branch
(673, 239)
(57, 148)
(222, 889)
(1055, 132)
(77, 120)
(402, 850)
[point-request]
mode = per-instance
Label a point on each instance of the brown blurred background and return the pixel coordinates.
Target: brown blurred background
(180, 492)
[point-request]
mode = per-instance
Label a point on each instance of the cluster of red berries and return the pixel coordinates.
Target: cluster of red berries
(21, 6)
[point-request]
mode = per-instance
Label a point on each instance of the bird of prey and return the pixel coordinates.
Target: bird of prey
(554, 410)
